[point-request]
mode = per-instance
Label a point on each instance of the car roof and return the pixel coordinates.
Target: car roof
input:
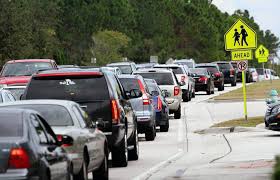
(134, 76)
(151, 70)
(70, 72)
(120, 63)
(29, 60)
(64, 103)
(15, 110)
(220, 62)
(168, 65)
(206, 64)
(184, 60)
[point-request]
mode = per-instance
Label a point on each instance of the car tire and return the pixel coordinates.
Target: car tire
(208, 92)
(177, 114)
(150, 134)
(185, 96)
(83, 174)
(133, 154)
(165, 128)
(103, 171)
(193, 94)
(233, 83)
(120, 154)
(221, 87)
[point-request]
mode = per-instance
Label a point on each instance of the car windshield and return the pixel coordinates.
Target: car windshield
(188, 63)
(199, 71)
(224, 65)
(78, 89)
(55, 115)
(24, 68)
(11, 125)
(160, 78)
(152, 87)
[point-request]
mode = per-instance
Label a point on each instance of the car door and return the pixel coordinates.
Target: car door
(49, 151)
(88, 137)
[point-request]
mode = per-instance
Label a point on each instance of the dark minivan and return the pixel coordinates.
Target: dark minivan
(101, 95)
(229, 72)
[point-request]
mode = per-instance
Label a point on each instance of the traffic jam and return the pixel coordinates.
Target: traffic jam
(72, 122)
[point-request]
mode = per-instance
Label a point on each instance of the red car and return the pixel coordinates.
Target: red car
(18, 72)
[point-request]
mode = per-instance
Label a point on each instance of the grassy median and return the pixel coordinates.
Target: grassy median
(258, 90)
(252, 122)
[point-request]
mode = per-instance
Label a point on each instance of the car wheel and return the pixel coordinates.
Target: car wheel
(233, 83)
(190, 96)
(120, 154)
(221, 87)
(208, 92)
(193, 94)
(150, 134)
(186, 96)
(177, 114)
(103, 171)
(134, 153)
(164, 128)
(83, 174)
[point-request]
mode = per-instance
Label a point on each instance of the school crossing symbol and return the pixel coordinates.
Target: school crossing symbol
(240, 37)
(262, 54)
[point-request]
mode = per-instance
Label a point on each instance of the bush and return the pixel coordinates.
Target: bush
(276, 173)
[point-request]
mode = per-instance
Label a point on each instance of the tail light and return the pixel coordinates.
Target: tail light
(146, 99)
(115, 112)
(232, 72)
(159, 104)
(203, 79)
(176, 90)
(19, 159)
(217, 74)
(60, 138)
(183, 78)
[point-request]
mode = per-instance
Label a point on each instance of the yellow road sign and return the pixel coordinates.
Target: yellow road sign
(262, 52)
(262, 60)
(241, 55)
(240, 36)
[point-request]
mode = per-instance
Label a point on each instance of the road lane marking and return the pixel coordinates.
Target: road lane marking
(181, 140)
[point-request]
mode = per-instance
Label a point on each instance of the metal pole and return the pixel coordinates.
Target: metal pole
(244, 95)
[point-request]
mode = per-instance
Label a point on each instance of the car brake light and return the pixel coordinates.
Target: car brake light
(115, 112)
(217, 74)
(159, 104)
(203, 79)
(176, 90)
(232, 71)
(146, 99)
(19, 159)
(60, 138)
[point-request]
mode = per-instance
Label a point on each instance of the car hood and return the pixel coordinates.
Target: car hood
(15, 80)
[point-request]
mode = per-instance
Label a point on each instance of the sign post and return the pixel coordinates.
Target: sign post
(240, 39)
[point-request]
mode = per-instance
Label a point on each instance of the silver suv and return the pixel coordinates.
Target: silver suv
(188, 87)
(169, 85)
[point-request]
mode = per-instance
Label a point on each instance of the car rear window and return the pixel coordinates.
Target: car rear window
(55, 115)
(224, 65)
(125, 69)
(11, 125)
(75, 88)
(129, 83)
(152, 87)
(160, 78)
(260, 71)
(199, 71)
(176, 70)
(212, 69)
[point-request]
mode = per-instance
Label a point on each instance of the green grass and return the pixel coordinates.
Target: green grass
(276, 173)
(252, 122)
(255, 91)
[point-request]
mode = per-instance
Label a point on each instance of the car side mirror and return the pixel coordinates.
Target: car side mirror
(134, 93)
(165, 93)
(65, 140)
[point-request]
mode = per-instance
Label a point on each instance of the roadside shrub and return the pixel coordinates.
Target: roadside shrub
(276, 173)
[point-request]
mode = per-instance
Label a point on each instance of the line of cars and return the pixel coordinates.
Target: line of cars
(70, 118)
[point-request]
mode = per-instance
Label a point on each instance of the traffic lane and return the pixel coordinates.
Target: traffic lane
(151, 153)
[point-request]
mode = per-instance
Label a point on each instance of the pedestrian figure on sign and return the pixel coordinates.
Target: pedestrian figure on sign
(236, 37)
(244, 35)
(262, 51)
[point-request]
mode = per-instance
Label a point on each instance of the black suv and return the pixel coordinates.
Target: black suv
(229, 72)
(102, 96)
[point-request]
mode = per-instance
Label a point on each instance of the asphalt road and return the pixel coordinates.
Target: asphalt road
(169, 146)
(183, 153)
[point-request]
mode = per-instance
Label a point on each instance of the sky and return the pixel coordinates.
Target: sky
(265, 12)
